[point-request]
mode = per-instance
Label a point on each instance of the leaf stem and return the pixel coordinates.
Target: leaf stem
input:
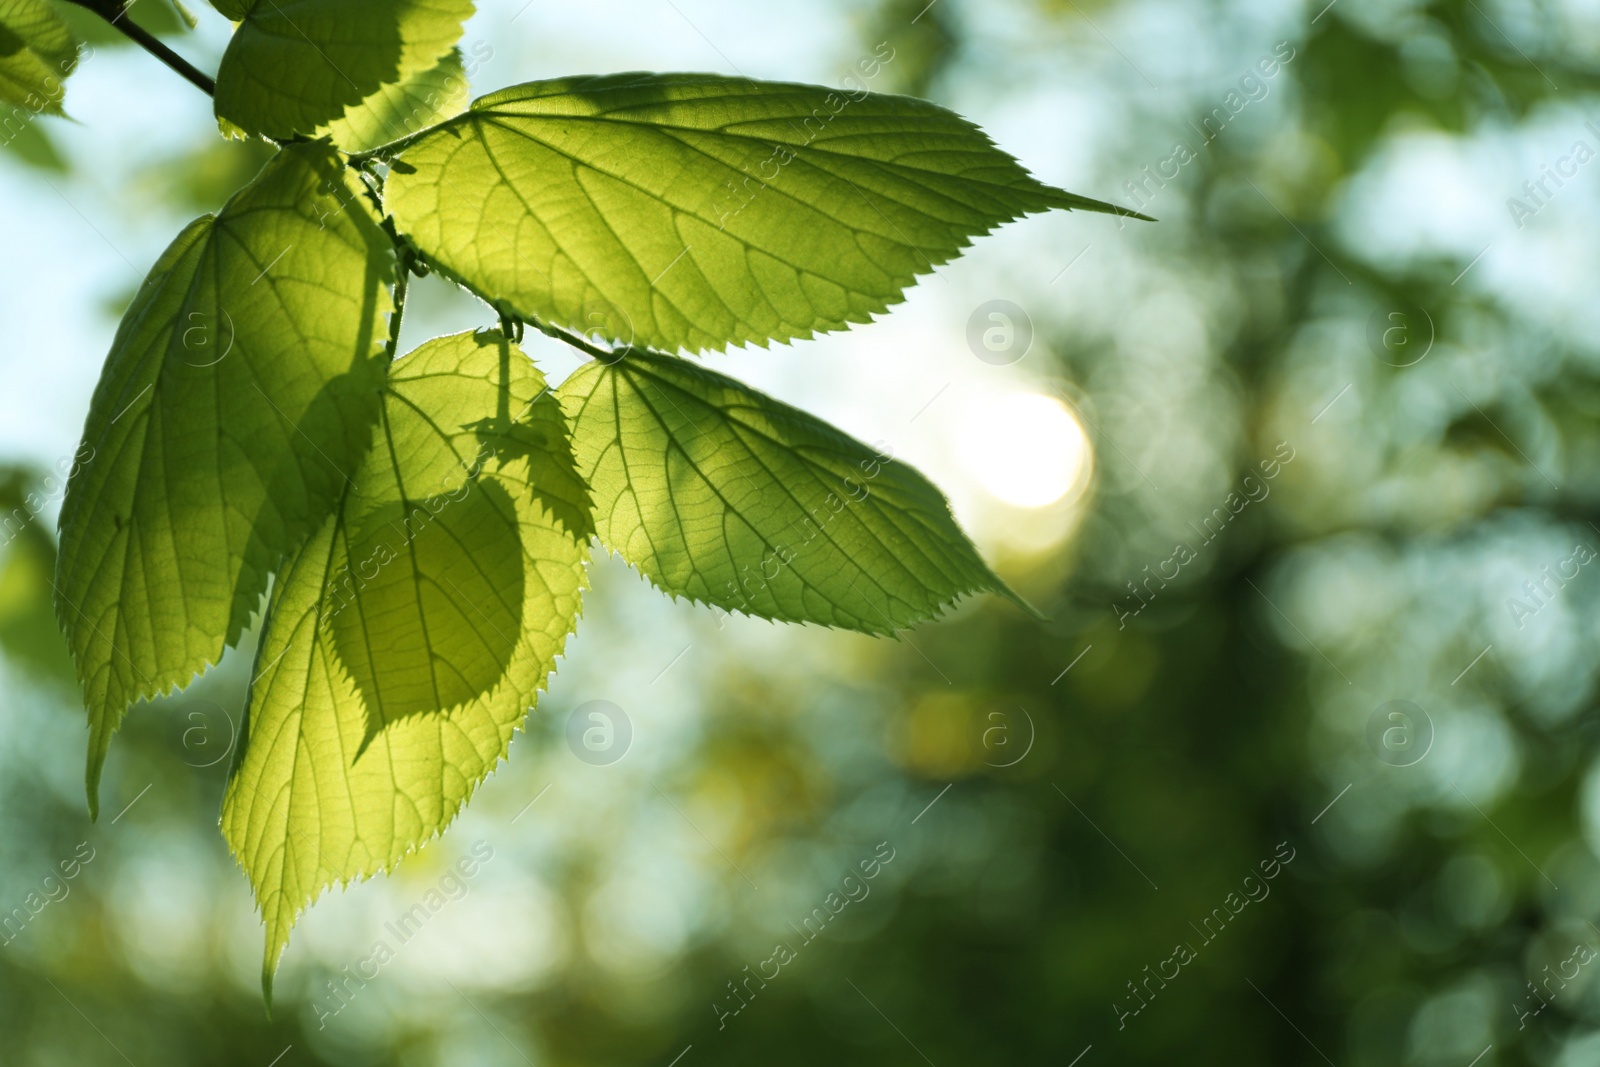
(604, 355)
(115, 13)
(607, 356)
(402, 279)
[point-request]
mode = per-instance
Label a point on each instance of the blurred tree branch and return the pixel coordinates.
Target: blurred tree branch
(113, 11)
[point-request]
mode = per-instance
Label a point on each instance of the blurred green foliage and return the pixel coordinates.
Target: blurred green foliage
(1424, 902)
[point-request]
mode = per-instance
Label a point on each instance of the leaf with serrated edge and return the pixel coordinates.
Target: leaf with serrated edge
(239, 393)
(37, 52)
(294, 66)
(726, 496)
(697, 211)
(407, 641)
(397, 111)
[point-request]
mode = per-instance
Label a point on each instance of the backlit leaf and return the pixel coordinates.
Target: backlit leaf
(37, 52)
(727, 496)
(28, 634)
(238, 396)
(397, 111)
(698, 211)
(32, 144)
(294, 66)
(408, 639)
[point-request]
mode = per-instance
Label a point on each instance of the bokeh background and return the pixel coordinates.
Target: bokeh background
(1303, 769)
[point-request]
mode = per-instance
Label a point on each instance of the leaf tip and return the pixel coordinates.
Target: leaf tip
(277, 941)
(91, 783)
(1075, 202)
(1004, 590)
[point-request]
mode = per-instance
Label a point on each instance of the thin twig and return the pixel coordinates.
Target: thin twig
(115, 13)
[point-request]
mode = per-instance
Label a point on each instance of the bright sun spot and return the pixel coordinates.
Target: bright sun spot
(1025, 449)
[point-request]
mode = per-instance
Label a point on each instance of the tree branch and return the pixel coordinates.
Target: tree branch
(115, 13)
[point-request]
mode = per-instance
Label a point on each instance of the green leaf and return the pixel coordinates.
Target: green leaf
(697, 211)
(409, 638)
(239, 394)
(726, 496)
(37, 52)
(397, 111)
(294, 66)
(163, 18)
(29, 636)
(32, 145)
(187, 18)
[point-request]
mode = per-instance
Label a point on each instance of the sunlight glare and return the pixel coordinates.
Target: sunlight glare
(1025, 449)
